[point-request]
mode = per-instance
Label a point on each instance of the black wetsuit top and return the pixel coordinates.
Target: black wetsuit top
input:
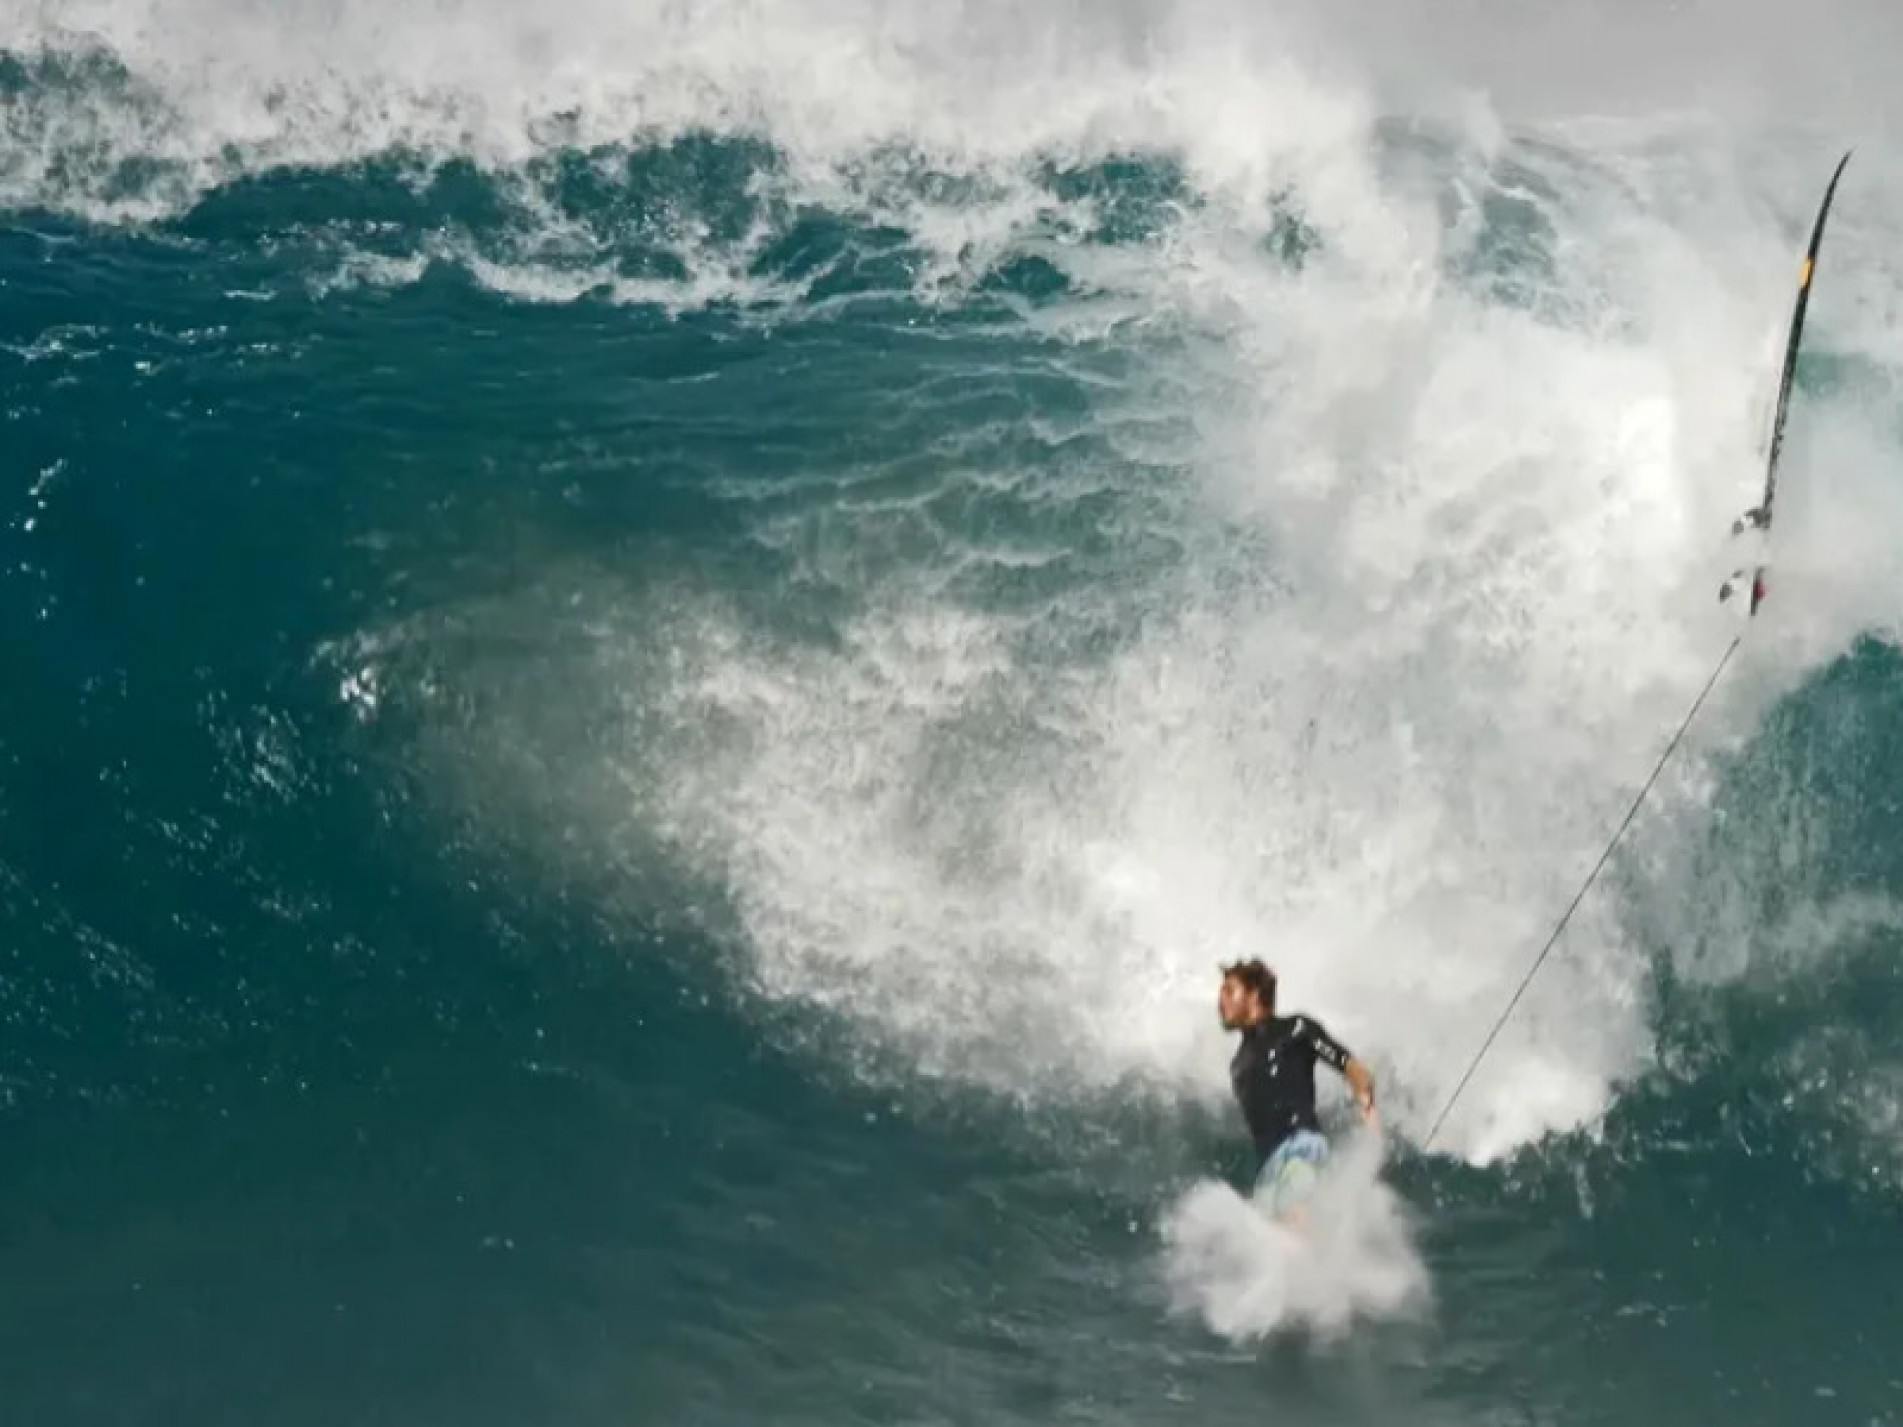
(1274, 1077)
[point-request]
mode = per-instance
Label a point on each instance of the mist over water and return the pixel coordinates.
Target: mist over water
(1247, 1277)
(712, 618)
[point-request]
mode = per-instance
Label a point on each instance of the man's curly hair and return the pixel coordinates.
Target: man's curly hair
(1254, 976)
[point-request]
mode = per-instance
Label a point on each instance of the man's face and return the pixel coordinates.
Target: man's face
(1236, 1004)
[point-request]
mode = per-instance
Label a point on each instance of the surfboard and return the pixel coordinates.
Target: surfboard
(1759, 517)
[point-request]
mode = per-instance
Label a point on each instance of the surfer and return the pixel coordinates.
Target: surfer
(1273, 1075)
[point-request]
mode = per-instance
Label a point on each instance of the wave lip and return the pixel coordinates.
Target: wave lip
(125, 109)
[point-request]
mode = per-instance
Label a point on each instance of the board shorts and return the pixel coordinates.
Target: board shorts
(1287, 1177)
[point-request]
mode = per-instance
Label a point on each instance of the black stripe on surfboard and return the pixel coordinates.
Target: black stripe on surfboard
(1797, 333)
(1760, 517)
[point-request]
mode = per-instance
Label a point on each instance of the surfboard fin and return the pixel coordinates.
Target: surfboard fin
(1758, 587)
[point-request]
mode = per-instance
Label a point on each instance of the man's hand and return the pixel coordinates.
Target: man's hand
(1362, 1080)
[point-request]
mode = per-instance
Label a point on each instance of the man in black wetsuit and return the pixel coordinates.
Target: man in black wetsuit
(1273, 1075)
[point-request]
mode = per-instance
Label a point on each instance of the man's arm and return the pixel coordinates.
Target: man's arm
(1360, 1079)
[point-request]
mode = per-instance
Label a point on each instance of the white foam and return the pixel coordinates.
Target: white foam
(1446, 561)
(1385, 759)
(1244, 1276)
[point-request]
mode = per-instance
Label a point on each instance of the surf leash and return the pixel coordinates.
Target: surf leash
(1759, 519)
(1586, 886)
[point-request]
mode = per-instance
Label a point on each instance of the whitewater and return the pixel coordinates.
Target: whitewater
(770, 589)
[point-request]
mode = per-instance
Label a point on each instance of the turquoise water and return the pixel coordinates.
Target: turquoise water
(649, 672)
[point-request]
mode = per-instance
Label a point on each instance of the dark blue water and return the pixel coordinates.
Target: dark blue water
(622, 774)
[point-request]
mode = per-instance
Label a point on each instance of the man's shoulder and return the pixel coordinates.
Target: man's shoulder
(1293, 1026)
(1301, 1026)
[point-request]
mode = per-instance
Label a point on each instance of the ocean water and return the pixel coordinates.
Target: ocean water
(652, 651)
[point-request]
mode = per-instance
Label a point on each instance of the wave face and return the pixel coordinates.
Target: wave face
(656, 649)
